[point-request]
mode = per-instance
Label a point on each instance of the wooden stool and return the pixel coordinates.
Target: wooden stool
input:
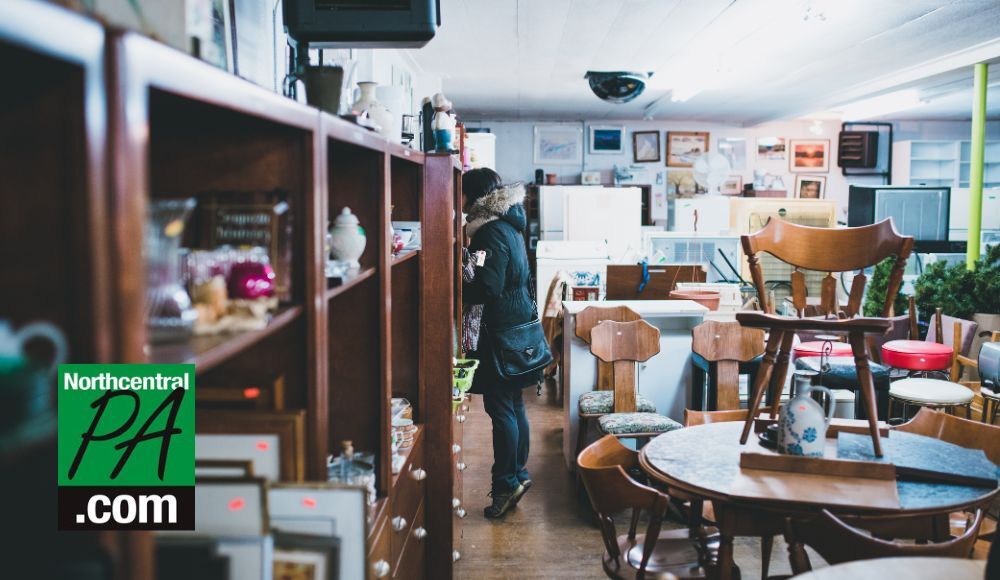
(931, 393)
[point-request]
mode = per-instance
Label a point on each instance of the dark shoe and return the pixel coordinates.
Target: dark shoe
(525, 486)
(502, 502)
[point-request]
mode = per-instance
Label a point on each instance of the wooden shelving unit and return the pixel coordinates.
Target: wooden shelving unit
(99, 124)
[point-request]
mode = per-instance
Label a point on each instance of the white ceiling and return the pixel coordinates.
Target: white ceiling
(758, 60)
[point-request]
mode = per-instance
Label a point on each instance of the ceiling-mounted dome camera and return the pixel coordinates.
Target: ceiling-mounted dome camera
(617, 87)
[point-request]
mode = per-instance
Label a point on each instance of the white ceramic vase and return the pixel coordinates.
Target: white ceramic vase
(802, 422)
(366, 97)
(347, 238)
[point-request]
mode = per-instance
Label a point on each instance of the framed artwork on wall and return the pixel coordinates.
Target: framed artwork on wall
(606, 139)
(810, 186)
(734, 149)
(732, 185)
(683, 147)
(809, 155)
(770, 148)
(558, 144)
(646, 146)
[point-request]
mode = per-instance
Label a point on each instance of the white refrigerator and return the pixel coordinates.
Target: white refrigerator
(590, 213)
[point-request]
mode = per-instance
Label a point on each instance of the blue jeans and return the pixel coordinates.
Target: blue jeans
(505, 406)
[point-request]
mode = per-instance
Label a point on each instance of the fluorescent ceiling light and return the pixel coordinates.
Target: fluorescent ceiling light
(882, 105)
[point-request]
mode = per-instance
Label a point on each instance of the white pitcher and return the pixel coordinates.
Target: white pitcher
(802, 422)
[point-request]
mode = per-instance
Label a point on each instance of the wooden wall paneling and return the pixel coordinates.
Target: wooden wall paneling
(437, 303)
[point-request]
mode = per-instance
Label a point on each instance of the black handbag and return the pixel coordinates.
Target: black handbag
(521, 350)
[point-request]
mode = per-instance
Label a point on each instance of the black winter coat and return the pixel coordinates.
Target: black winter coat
(502, 285)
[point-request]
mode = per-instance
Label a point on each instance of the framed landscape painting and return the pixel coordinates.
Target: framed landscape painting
(683, 147)
(646, 146)
(558, 144)
(809, 155)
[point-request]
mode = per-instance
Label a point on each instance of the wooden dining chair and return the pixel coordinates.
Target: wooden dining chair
(601, 401)
(826, 250)
(723, 347)
(700, 513)
(623, 344)
(838, 542)
(604, 467)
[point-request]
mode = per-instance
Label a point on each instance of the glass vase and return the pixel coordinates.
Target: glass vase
(170, 315)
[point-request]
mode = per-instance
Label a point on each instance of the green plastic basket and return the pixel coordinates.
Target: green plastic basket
(464, 383)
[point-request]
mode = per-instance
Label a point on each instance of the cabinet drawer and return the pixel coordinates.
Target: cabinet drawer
(411, 562)
(380, 551)
(406, 497)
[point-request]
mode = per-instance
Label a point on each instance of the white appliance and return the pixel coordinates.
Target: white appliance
(959, 214)
(590, 213)
(551, 256)
(482, 149)
(695, 248)
(705, 214)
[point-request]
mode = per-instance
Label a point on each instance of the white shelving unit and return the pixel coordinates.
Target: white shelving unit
(941, 163)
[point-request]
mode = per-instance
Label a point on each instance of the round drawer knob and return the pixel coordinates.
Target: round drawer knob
(460, 418)
(419, 533)
(418, 474)
(399, 523)
(382, 569)
(461, 466)
(460, 512)
(455, 502)
(456, 449)
(455, 556)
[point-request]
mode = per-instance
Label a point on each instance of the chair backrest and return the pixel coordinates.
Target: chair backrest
(554, 297)
(838, 542)
(603, 466)
(693, 417)
(961, 432)
(952, 331)
(828, 250)
(622, 344)
(590, 317)
(727, 344)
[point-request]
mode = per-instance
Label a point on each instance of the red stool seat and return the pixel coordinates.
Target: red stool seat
(815, 348)
(917, 355)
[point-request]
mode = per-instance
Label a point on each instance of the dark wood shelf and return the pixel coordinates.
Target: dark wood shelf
(406, 453)
(405, 153)
(363, 275)
(404, 256)
(208, 352)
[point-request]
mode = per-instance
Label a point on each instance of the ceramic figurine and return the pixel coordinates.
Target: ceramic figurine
(444, 124)
(347, 238)
(802, 422)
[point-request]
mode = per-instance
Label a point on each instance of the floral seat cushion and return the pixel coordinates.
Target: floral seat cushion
(598, 402)
(626, 423)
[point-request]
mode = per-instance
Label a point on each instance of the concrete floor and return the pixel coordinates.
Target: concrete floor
(550, 534)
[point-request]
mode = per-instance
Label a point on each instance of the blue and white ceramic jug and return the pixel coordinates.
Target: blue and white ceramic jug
(802, 422)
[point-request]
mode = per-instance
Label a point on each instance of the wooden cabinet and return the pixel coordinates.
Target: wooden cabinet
(100, 124)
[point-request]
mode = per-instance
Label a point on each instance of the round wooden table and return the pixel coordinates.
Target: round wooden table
(909, 568)
(704, 461)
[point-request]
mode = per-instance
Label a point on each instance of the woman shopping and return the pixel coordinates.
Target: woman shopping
(510, 344)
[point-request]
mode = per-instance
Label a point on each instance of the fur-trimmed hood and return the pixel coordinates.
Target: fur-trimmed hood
(503, 203)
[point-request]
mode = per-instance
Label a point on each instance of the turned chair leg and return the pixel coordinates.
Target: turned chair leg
(763, 379)
(780, 372)
(766, 544)
(857, 341)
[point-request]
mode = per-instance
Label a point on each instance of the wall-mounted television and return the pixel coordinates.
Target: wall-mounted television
(361, 23)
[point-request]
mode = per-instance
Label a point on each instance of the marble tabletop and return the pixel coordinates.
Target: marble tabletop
(909, 568)
(705, 459)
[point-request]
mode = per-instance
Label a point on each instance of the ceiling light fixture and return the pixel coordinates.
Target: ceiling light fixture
(882, 105)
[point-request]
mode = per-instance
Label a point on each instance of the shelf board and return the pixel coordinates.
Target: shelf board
(351, 283)
(400, 258)
(208, 352)
(405, 153)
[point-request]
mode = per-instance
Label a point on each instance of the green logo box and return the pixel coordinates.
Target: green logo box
(124, 430)
(83, 389)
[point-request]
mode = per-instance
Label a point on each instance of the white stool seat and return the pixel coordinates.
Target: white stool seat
(930, 391)
(988, 393)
